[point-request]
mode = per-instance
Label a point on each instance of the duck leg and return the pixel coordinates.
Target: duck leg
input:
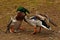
(35, 30)
(21, 28)
(39, 29)
(12, 29)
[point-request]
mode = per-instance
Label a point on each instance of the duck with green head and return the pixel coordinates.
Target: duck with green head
(21, 13)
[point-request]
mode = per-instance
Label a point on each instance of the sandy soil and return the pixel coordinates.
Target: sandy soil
(49, 7)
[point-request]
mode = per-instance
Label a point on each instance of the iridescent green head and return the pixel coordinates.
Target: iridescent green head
(22, 9)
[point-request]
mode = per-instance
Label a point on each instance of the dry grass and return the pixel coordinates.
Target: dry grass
(49, 7)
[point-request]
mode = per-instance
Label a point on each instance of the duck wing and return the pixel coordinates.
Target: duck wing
(44, 25)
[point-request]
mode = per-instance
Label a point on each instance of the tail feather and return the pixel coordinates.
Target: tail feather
(45, 25)
(52, 23)
(48, 28)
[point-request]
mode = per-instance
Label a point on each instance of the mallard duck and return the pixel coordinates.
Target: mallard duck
(33, 21)
(21, 13)
(13, 25)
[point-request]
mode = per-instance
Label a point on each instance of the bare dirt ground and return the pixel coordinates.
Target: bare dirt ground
(49, 7)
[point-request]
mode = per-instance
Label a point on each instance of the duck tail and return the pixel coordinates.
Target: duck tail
(52, 22)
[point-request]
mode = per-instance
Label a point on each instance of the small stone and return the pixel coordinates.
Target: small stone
(58, 31)
(50, 37)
